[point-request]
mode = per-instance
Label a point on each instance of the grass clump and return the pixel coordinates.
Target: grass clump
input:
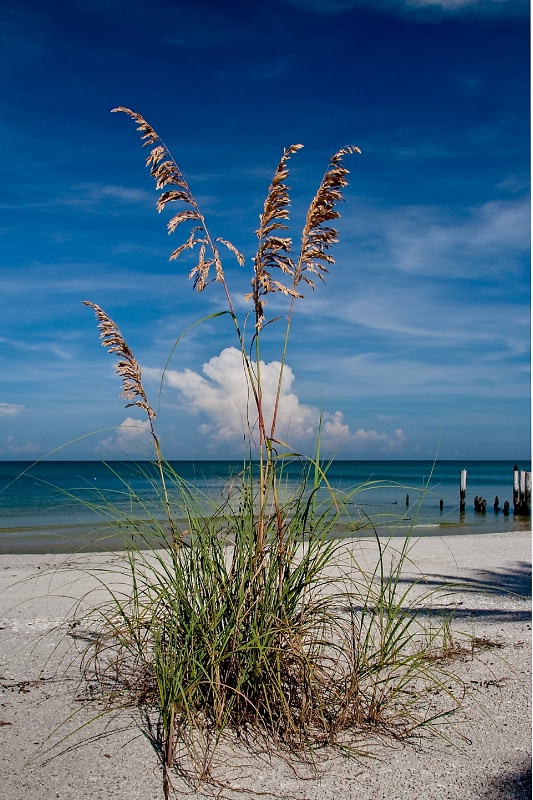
(251, 617)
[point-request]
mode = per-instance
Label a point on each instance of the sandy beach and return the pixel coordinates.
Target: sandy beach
(485, 752)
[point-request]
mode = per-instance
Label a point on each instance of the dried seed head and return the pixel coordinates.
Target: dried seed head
(273, 251)
(166, 173)
(127, 366)
(316, 237)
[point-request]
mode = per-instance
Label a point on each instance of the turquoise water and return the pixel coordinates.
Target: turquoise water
(63, 505)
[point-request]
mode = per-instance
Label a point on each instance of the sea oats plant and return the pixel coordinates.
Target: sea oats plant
(246, 618)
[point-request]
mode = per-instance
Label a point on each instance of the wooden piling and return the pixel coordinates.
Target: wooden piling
(516, 487)
(521, 492)
(462, 491)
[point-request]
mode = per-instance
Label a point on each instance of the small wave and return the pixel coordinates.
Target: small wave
(427, 525)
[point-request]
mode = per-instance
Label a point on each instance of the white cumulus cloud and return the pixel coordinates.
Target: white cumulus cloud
(13, 447)
(222, 399)
(132, 438)
(381, 442)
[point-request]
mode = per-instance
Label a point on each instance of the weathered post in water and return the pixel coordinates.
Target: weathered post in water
(524, 501)
(462, 492)
(516, 487)
(521, 492)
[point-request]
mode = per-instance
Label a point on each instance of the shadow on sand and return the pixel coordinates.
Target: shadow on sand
(515, 785)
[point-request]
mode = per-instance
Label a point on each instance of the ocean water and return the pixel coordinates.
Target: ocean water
(62, 506)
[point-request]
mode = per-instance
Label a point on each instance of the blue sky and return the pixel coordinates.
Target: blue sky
(417, 344)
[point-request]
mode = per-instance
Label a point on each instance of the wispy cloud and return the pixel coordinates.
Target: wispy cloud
(452, 283)
(413, 377)
(94, 196)
(200, 27)
(409, 7)
(479, 241)
(16, 21)
(479, 6)
(486, 239)
(430, 315)
(9, 409)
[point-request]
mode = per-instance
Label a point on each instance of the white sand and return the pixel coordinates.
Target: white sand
(487, 752)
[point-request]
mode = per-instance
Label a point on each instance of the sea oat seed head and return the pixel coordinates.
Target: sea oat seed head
(316, 236)
(273, 251)
(166, 172)
(127, 366)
